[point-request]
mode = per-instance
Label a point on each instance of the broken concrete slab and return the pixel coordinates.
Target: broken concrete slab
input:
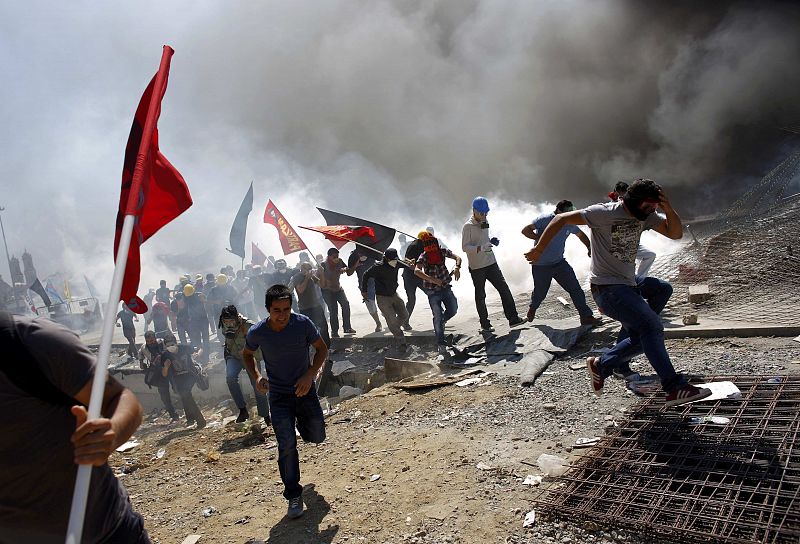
(699, 293)
(192, 539)
(400, 369)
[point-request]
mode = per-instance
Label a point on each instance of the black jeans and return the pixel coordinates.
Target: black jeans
(166, 399)
(411, 283)
(333, 299)
(493, 274)
(317, 315)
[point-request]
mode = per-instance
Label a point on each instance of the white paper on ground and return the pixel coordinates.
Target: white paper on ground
(127, 446)
(720, 390)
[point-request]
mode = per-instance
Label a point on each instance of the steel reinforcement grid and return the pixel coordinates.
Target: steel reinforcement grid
(674, 475)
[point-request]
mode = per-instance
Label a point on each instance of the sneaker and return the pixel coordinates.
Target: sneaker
(335, 335)
(516, 321)
(201, 423)
(626, 374)
(349, 331)
(243, 415)
(595, 377)
(531, 314)
(591, 320)
(295, 508)
(687, 393)
(378, 328)
(407, 327)
(189, 422)
(442, 349)
(487, 327)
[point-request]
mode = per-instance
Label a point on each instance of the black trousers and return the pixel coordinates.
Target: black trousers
(493, 275)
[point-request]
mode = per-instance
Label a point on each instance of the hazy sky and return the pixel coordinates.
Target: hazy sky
(401, 112)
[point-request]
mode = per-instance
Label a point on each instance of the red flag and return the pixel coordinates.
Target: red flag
(152, 189)
(339, 235)
(256, 255)
(290, 240)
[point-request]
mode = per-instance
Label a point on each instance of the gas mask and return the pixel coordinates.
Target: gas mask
(230, 327)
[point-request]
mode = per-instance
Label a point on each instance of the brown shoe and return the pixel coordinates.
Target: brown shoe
(531, 314)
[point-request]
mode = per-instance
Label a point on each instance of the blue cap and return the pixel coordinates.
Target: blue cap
(480, 204)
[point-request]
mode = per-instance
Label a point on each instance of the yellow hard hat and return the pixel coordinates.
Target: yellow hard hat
(188, 290)
(222, 279)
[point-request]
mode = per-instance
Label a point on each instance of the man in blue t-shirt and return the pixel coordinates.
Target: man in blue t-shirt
(284, 339)
(552, 265)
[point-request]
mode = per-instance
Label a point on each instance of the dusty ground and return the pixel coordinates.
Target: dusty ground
(425, 446)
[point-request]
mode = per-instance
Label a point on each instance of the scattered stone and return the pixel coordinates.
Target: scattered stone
(699, 293)
(690, 319)
(530, 519)
(192, 539)
(530, 479)
(374, 477)
(483, 466)
(207, 512)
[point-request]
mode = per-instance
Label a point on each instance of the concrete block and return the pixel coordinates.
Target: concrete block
(699, 293)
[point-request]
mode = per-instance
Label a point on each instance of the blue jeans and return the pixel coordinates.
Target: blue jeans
(642, 323)
(234, 367)
(290, 411)
(564, 275)
(444, 306)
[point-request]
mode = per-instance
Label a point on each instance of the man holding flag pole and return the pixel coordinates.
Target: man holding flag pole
(153, 194)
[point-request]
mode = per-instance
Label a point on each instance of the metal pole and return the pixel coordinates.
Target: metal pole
(8, 259)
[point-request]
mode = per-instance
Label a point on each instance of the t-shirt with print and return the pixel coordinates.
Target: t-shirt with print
(615, 240)
(285, 352)
(36, 455)
(554, 252)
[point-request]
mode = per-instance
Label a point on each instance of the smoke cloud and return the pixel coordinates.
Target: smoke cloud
(400, 112)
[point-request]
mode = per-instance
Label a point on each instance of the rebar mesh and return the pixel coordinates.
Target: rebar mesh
(664, 475)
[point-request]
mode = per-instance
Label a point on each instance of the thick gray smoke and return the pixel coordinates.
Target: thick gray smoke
(399, 111)
(537, 100)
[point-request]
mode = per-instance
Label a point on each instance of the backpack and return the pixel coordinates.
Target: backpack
(23, 370)
(200, 376)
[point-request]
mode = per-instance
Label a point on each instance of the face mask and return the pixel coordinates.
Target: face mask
(172, 349)
(393, 263)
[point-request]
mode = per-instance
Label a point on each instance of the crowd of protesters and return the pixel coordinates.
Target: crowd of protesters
(266, 330)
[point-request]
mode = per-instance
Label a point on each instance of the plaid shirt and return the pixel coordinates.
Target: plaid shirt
(438, 271)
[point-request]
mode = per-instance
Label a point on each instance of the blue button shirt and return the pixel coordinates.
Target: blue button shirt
(286, 352)
(554, 251)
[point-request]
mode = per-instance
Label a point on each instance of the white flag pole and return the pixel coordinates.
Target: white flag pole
(79, 496)
(81, 492)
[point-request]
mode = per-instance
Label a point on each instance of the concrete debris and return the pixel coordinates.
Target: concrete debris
(689, 319)
(207, 512)
(483, 466)
(192, 539)
(341, 366)
(530, 519)
(468, 381)
(533, 480)
(552, 465)
(348, 392)
(128, 446)
(699, 293)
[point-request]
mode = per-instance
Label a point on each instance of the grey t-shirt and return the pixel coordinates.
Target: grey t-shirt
(37, 472)
(615, 240)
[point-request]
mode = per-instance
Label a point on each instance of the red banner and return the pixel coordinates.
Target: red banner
(290, 240)
(152, 189)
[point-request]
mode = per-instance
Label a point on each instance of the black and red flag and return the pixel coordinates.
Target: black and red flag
(339, 235)
(380, 236)
(152, 189)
